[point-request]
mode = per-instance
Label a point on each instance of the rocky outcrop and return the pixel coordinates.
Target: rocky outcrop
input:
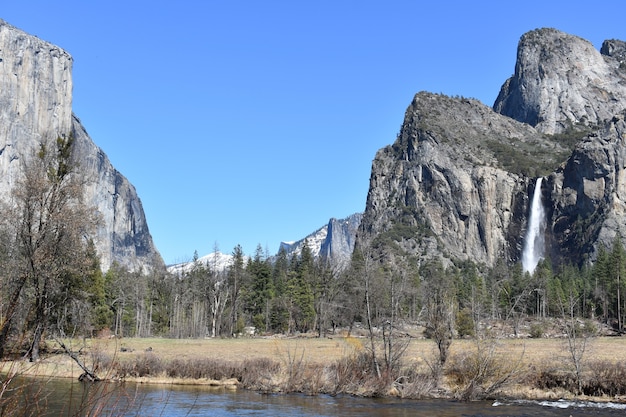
(36, 106)
(563, 85)
(588, 196)
(562, 82)
(35, 97)
(340, 239)
(123, 235)
(455, 184)
(333, 242)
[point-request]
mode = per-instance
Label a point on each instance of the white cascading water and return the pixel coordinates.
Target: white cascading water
(534, 242)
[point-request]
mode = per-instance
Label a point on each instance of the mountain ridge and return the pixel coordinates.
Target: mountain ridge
(332, 242)
(456, 182)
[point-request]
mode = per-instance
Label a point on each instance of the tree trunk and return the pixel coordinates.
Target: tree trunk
(370, 329)
(6, 325)
(34, 349)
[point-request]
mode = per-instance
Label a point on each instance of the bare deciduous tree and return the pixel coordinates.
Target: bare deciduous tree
(438, 301)
(52, 225)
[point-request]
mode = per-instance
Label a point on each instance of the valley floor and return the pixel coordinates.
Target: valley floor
(511, 368)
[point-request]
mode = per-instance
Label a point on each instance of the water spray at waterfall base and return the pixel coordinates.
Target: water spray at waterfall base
(534, 244)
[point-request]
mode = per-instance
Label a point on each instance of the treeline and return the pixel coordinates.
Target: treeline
(51, 283)
(271, 295)
(300, 294)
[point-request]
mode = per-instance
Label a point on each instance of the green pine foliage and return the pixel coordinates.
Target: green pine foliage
(381, 293)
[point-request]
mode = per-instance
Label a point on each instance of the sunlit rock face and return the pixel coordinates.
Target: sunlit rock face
(332, 243)
(456, 182)
(440, 189)
(561, 81)
(36, 106)
(35, 97)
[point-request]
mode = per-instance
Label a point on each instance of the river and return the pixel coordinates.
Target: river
(66, 398)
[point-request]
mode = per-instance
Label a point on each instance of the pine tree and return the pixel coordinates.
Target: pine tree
(261, 292)
(617, 262)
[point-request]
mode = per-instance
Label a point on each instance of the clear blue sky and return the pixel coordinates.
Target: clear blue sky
(253, 122)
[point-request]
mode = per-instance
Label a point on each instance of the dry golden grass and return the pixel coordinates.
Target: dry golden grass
(531, 352)
(315, 350)
(323, 351)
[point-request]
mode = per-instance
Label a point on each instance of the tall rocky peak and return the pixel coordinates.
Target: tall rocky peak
(35, 96)
(333, 242)
(457, 182)
(562, 82)
(454, 182)
(36, 106)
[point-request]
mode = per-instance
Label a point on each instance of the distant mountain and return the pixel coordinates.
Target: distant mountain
(216, 261)
(333, 242)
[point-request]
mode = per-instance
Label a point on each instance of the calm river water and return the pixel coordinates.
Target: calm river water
(65, 398)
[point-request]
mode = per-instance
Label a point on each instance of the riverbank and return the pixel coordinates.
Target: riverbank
(503, 368)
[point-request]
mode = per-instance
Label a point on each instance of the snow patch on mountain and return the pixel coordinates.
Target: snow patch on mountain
(333, 242)
(216, 261)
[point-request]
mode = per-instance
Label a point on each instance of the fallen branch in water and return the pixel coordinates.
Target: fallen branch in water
(87, 374)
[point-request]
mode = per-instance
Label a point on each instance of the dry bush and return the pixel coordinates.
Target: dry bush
(308, 378)
(101, 360)
(415, 384)
(550, 379)
(143, 365)
(605, 379)
(259, 373)
(347, 374)
(296, 374)
(353, 374)
(480, 372)
(202, 368)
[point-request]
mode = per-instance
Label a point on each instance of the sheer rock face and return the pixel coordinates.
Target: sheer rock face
(333, 242)
(340, 239)
(36, 106)
(561, 81)
(456, 182)
(35, 97)
(440, 190)
(588, 195)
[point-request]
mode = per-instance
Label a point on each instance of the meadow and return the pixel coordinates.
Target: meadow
(519, 368)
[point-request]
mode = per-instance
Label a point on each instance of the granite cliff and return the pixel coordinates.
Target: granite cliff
(36, 106)
(333, 242)
(456, 182)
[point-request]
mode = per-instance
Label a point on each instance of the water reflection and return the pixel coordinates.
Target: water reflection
(66, 398)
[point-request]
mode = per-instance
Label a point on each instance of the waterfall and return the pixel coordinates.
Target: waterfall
(534, 242)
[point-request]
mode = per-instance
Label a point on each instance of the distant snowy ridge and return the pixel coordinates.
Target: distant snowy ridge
(216, 261)
(333, 242)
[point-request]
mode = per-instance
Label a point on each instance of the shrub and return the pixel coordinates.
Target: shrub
(606, 378)
(465, 323)
(549, 379)
(258, 373)
(480, 372)
(537, 330)
(415, 384)
(203, 368)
